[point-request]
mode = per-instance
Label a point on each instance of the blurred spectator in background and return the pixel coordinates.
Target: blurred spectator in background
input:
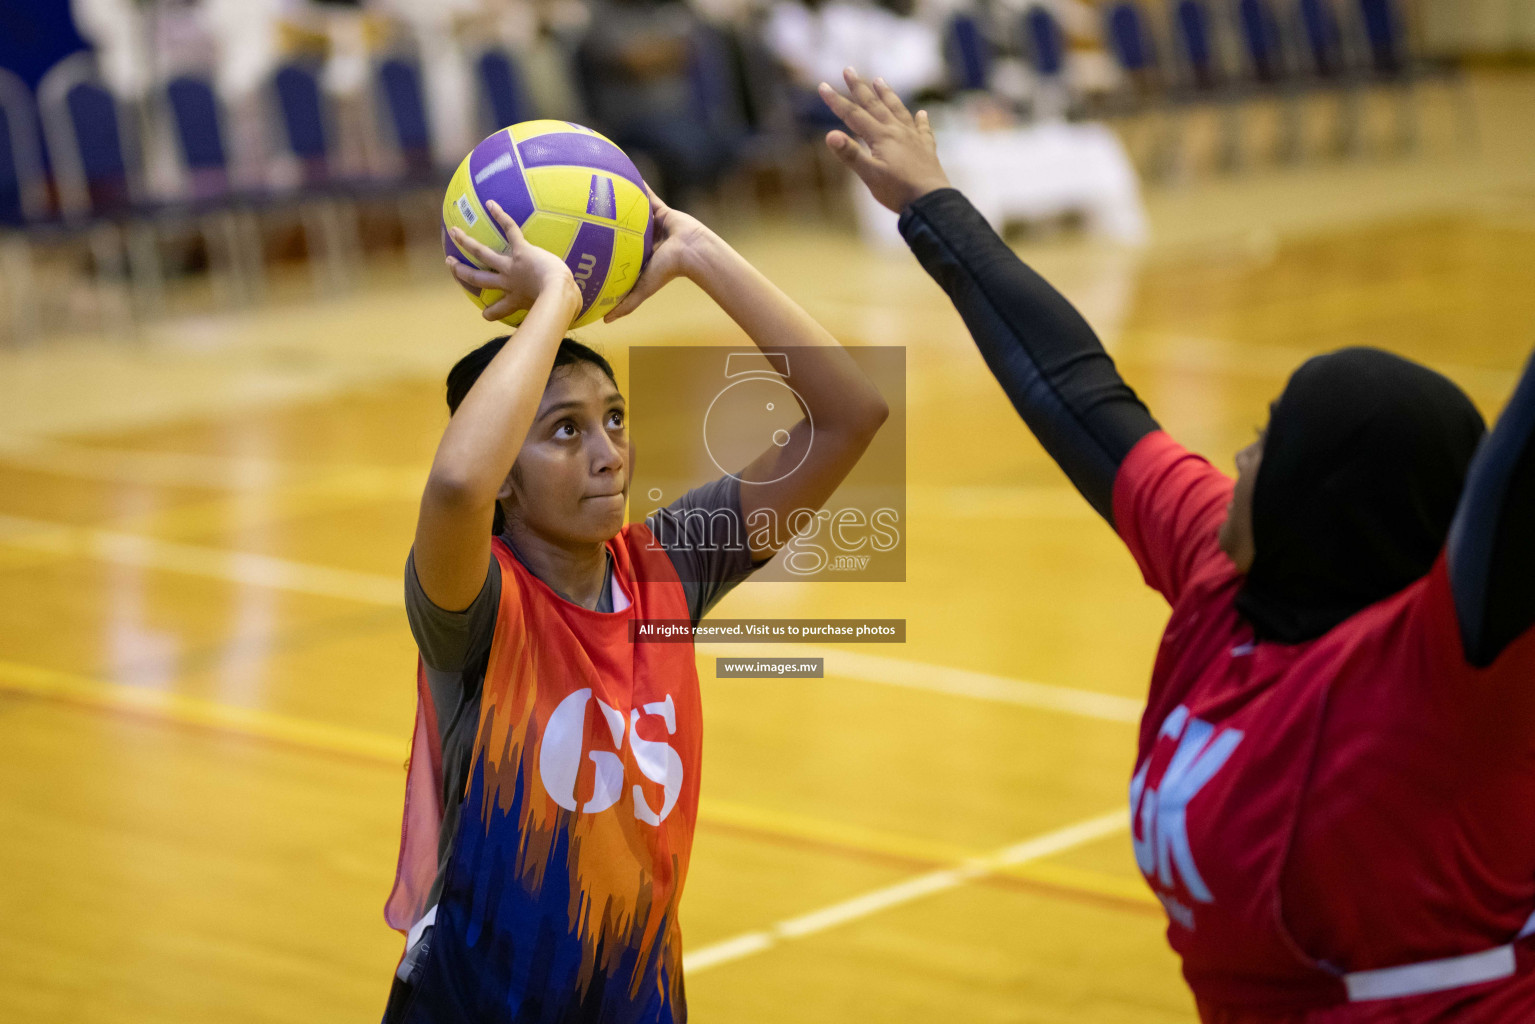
(543, 36)
(432, 26)
(343, 26)
(247, 48)
(1088, 69)
(729, 13)
(815, 39)
(118, 34)
(636, 63)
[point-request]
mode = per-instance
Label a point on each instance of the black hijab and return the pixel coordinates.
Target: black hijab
(1363, 464)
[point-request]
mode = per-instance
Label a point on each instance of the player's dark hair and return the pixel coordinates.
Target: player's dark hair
(468, 369)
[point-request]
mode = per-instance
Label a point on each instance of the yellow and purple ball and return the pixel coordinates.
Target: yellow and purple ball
(572, 192)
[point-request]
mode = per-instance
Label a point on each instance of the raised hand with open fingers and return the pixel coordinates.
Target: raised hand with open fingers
(522, 272)
(678, 239)
(891, 150)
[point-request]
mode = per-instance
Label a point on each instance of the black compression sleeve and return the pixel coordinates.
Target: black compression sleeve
(1037, 345)
(1492, 541)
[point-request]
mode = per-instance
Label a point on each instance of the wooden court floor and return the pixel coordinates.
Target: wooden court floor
(206, 675)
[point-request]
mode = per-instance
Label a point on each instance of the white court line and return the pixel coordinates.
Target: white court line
(222, 564)
(151, 468)
(928, 884)
(254, 570)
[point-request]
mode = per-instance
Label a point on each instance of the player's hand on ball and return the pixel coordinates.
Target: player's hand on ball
(522, 273)
(678, 239)
(893, 152)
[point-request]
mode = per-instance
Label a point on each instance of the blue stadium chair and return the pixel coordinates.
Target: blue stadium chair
(1385, 43)
(1046, 41)
(1327, 61)
(1269, 68)
(400, 88)
(23, 204)
(1196, 39)
(198, 125)
(1383, 30)
(1133, 45)
(23, 183)
(967, 52)
(1385, 39)
(418, 193)
(1202, 76)
(199, 133)
(1323, 34)
(503, 97)
(1044, 44)
(1130, 40)
(93, 150)
(227, 218)
(296, 86)
(1128, 33)
(1262, 41)
(328, 198)
(1385, 34)
(12, 212)
(90, 162)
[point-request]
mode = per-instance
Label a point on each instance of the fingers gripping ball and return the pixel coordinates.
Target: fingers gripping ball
(572, 192)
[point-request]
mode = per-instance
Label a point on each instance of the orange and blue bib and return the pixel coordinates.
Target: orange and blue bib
(560, 900)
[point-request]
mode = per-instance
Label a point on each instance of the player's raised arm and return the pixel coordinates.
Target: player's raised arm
(1039, 348)
(840, 402)
(453, 530)
(1492, 540)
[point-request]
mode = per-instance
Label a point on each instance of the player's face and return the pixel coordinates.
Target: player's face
(572, 474)
(1236, 536)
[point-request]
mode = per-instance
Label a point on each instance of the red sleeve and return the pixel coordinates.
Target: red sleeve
(1168, 508)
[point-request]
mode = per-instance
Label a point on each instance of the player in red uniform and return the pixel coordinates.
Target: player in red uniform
(553, 785)
(1334, 793)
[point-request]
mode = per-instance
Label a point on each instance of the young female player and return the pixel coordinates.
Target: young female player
(1334, 794)
(554, 775)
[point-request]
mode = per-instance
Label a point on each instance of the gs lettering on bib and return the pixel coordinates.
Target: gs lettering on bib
(560, 761)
